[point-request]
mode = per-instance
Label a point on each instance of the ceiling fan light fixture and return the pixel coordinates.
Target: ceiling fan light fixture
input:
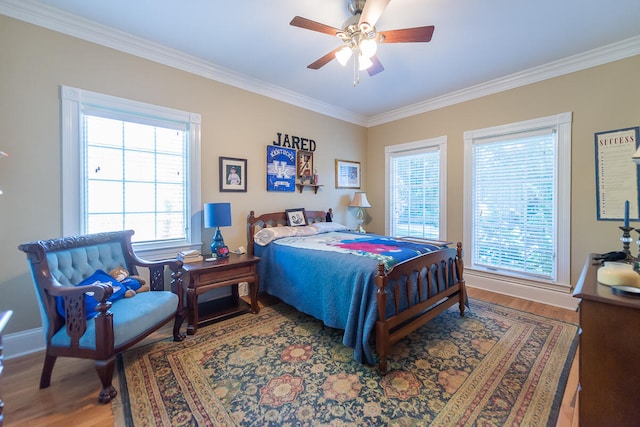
(343, 55)
(366, 28)
(368, 47)
(364, 63)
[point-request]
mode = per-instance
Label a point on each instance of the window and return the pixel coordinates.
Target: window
(517, 199)
(130, 165)
(415, 181)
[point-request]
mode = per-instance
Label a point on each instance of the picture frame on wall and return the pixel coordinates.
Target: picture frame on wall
(233, 174)
(305, 166)
(617, 187)
(347, 174)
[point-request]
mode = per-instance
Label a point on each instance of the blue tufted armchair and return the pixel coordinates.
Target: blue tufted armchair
(59, 265)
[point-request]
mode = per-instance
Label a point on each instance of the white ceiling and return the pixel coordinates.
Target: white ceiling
(250, 43)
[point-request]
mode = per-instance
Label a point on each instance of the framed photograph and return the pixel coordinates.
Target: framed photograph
(295, 217)
(347, 174)
(233, 174)
(305, 166)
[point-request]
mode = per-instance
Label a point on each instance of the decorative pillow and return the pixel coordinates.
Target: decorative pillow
(325, 227)
(268, 235)
(90, 302)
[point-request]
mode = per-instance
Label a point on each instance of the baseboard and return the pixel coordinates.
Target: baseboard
(560, 298)
(23, 343)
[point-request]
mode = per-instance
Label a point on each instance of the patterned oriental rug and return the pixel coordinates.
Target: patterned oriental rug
(495, 366)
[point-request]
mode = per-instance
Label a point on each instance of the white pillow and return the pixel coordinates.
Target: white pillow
(269, 234)
(325, 227)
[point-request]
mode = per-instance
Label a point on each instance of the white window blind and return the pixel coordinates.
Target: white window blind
(131, 165)
(414, 178)
(514, 203)
(135, 170)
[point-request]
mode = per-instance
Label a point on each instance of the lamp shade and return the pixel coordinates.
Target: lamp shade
(360, 200)
(217, 215)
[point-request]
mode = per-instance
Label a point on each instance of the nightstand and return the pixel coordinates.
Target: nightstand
(208, 275)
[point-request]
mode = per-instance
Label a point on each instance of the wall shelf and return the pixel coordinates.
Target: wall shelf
(314, 186)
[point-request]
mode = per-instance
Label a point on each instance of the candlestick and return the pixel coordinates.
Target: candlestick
(626, 239)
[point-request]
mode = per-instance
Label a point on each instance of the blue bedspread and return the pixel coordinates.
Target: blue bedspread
(337, 284)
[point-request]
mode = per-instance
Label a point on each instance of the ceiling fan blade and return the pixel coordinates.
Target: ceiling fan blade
(408, 35)
(376, 67)
(308, 24)
(324, 60)
(372, 11)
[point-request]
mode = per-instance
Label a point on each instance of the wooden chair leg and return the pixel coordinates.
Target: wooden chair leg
(177, 336)
(47, 369)
(105, 370)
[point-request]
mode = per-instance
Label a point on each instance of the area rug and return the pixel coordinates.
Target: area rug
(495, 366)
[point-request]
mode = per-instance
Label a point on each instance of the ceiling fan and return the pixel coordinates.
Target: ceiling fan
(361, 38)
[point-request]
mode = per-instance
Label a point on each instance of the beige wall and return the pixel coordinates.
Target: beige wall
(602, 98)
(34, 62)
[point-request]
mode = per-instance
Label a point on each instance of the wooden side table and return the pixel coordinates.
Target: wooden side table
(207, 275)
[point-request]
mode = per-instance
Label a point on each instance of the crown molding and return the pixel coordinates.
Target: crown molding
(54, 19)
(613, 52)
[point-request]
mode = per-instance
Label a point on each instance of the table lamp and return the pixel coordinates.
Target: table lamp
(217, 215)
(360, 201)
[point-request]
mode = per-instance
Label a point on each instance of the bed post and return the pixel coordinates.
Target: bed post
(460, 270)
(382, 329)
(251, 219)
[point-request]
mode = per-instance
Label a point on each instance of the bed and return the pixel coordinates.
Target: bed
(370, 286)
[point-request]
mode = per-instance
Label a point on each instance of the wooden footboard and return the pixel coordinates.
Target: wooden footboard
(421, 288)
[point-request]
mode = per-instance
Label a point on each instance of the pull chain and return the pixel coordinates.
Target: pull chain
(356, 68)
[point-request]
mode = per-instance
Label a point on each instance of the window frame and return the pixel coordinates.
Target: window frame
(439, 143)
(562, 125)
(73, 101)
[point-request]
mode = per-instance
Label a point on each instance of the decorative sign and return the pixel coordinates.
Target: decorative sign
(295, 142)
(617, 175)
(281, 168)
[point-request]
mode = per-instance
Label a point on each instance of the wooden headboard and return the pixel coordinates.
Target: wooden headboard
(275, 219)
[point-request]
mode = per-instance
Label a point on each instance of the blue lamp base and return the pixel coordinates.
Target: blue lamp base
(218, 248)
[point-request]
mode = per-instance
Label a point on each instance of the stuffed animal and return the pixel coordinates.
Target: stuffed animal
(133, 284)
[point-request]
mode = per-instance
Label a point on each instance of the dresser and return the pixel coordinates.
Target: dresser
(609, 353)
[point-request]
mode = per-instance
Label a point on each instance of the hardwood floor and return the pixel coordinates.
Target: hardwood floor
(71, 400)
